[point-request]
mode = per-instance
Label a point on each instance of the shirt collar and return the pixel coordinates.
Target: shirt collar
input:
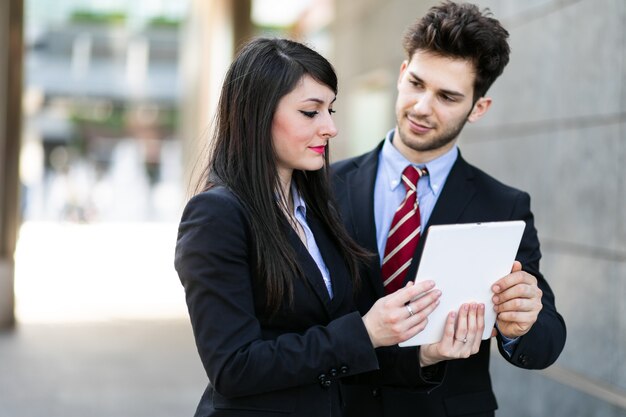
(298, 201)
(393, 163)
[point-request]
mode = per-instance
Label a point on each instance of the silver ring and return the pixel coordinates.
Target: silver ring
(464, 340)
(409, 309)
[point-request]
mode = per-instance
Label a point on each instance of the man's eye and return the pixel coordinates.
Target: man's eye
(310, 114)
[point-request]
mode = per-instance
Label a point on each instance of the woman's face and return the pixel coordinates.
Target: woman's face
(302, 126)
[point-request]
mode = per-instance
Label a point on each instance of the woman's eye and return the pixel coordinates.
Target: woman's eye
(310, 114)
(331, 111)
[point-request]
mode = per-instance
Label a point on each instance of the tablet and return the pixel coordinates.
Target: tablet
(464, 260)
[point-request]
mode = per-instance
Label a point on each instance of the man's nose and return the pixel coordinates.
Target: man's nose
(423, 104)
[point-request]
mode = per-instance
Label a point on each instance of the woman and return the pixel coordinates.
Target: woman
(267, 268)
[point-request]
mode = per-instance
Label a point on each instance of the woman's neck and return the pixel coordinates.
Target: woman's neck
(284, 177)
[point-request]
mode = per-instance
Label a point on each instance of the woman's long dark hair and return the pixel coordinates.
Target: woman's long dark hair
(243, 158)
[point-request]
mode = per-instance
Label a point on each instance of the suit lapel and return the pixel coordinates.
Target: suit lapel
(360, 189)
(339, 274)
(311, 272)
(457, 192)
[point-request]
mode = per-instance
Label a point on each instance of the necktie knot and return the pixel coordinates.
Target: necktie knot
(411, 175)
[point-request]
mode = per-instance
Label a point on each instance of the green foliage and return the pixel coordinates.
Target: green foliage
(99, 18)
(164, 22)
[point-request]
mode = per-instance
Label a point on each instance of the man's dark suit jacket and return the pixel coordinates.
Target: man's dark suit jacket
(469, 195)
(262, 365)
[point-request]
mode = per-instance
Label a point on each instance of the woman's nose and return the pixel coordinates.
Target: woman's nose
(329, 129)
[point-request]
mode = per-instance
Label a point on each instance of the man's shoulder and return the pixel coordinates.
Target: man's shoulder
(486, 181)
(345, 166)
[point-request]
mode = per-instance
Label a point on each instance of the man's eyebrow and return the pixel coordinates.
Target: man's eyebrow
(443, 91)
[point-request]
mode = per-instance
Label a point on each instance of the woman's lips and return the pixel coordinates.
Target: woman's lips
(318, 149)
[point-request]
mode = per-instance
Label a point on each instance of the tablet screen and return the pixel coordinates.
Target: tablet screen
(464, 260)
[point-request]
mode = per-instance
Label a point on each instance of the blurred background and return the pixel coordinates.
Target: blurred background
(105, 106)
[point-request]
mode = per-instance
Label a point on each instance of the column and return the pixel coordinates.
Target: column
(11, 46)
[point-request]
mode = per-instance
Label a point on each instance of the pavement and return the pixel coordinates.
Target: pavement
(101, 369)
(102, 327)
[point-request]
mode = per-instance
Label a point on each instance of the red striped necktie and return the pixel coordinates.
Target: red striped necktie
(404, 233)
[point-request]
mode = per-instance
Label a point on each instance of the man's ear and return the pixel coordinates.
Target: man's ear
(403, 67)
(480, 108)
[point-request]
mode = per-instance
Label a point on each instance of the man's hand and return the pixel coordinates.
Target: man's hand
(458, 343)
(517, 302)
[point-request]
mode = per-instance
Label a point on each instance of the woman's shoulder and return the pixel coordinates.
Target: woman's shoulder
(216, 203)
(218, 193)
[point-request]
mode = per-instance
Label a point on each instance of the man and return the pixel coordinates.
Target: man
(454, 54)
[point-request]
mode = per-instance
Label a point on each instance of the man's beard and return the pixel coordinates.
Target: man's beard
(435, 143)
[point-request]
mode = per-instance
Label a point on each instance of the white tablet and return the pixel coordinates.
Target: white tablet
(464, 260)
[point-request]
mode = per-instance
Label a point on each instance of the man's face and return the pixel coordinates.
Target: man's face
(434, 102)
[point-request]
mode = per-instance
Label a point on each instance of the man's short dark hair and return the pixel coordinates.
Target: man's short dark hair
(461, 30)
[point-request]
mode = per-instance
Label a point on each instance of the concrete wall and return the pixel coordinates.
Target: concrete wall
(557, 130)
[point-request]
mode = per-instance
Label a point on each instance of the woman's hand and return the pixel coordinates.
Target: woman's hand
(401, 315)
(460, 341)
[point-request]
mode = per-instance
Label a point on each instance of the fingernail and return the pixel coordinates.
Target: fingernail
(496, 299)
(496, 288)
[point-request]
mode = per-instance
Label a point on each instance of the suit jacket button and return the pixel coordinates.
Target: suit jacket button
(523, 359)
(343, 370)
(376, 392)
(333, 373)
(324, 381)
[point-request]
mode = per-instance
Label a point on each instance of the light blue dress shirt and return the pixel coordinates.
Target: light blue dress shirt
(299, 212)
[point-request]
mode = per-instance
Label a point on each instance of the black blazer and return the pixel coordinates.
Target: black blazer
(258, 365)
(469, 195)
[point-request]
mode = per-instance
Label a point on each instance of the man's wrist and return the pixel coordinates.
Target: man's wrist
(508, 344)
